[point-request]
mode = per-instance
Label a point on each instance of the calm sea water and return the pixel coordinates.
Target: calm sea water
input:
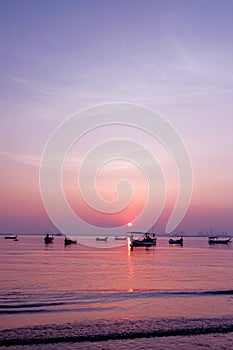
(103, 291)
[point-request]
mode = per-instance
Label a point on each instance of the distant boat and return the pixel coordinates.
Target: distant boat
(176, 241)
(216, 240)
(118, 238)
(11, 237)
(104, 239)
(48, 239)
(69, 241)
(146, 240)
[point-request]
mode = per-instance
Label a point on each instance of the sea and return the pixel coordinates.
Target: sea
(103, 295)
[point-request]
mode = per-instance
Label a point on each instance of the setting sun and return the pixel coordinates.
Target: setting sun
(129, 224)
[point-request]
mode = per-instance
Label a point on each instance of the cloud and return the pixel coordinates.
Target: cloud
(18, 80)
(32, 160)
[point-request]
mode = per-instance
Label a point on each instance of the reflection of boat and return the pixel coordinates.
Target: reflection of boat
(216, 240)
(176, 241)
(68, 241)
(48, 239)
(104, 239)
(146, 240)
(11, 237)
(118, 238)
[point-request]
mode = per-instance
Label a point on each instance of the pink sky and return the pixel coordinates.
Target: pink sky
(173, 57)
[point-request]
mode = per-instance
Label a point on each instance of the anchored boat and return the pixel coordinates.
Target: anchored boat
(216, 240)
(104, 239)
(176, 241)
(69, 241)
(48, 239)
(118, 238)
(11, 237)
(145, 240)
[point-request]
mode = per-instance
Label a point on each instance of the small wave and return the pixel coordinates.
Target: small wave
(45, 310)
(35, 305)
(81, 301)
(219, 292)
(112, 330)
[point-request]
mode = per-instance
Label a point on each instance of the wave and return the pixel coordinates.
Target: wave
(33, 311)
(83, 301)
(112, 330)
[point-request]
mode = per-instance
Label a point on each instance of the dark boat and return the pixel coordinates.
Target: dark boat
(118, 238)
(11, 237)
(103, 239)
(69, 241)
(176, 241)
(146, 240)
(216, 240)
(48, 239)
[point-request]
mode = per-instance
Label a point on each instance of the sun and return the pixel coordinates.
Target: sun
(129, 224)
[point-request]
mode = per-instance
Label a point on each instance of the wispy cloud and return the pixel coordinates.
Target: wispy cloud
(32, 160)
(18, 80)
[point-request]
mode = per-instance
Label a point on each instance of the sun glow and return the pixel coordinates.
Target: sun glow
(129, 224)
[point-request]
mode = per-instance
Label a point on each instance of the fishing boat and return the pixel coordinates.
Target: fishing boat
(11, 237)
(48, 239)
(69, 241)
(176, 241)
(104, 239)
(216, 240)
(118, 238)
(145, 240)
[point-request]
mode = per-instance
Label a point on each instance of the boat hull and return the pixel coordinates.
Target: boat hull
(69, 241)
(102, 239)
(142, 244)
(176, 241)
(11, 237)
(219, 241)
(48, 239)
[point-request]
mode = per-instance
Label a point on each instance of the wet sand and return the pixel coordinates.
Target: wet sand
(212, 333)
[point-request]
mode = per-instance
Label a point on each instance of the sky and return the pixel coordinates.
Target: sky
(61, 57)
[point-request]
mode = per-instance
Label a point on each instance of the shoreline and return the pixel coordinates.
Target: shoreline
(108, 330)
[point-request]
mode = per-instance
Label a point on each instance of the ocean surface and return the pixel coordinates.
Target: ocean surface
(102, 295)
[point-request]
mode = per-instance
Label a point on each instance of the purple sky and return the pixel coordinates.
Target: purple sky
(58, 57)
